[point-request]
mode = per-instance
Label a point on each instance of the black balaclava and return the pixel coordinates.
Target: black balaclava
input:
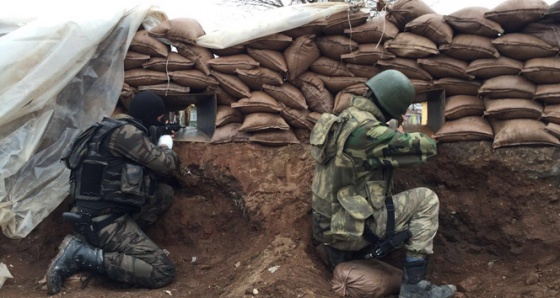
(146, 106)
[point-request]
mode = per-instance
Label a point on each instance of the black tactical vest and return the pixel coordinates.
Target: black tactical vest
(101, 176)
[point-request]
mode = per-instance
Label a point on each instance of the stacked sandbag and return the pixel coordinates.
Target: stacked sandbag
(494, 64)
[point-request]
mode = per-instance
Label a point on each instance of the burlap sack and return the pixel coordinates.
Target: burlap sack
(471, 20)
(441, 66)
(368, 54)
(338, 22)
(313, 117)
(226, 115)
(319, 99)
(507, 87)
(410, 45)
(143, 43)
(271, 59)
(513, 108)
(263, 121)
(409, 67)
(276, 42)
(330, 67)
(548, 93)
(287, 94)
(342, 101)
(553, 129)
(179, 30)
(337, 84)
(193, 78)
(460, 106)
(513, 15)
(258, 102)
(471, 128)
(256, 78)
(139, 77)
(404, 11)
(542, 70)
(455, 86)
(300, 55)
(274, 138)
(433, 27)
(470, 47)
(493, 67)
(366, 278)
(134, 60)
(296, 118)
(551, 113)
(334, 46)
(232, 84)
(310, 78)
(199, 55)
(361, 70)
(522, 46)
(377, 29)
(172, 62)
(229, 133)
(547, 30)
(521, 132)
(421, 86)
(228, 64)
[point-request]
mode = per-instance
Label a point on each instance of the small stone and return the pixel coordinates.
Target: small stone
(255, 292)
(532, 278)
(469, 285)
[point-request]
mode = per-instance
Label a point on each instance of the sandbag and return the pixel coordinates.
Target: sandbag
(366, 278)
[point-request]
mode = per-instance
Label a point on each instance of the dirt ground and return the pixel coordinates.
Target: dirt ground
(240, 226)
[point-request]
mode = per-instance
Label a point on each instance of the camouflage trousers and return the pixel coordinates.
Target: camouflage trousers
(129, 254)
(417, 210)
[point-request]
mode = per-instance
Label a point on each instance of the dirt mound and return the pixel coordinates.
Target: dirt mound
(240, 226)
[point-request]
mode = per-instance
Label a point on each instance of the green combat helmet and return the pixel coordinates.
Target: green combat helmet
(393, 91)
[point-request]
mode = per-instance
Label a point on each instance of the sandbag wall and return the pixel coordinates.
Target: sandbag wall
(499, 69)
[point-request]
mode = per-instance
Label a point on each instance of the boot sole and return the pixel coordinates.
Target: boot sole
(61, 250)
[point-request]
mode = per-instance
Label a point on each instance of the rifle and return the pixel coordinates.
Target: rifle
(166, 129)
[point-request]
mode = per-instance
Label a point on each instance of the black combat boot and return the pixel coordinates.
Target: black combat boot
(331, 256)
(73, 256)
(415, 285)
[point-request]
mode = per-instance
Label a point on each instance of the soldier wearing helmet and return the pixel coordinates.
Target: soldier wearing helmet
(356, 215)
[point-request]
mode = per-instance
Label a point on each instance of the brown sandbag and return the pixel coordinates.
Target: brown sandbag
(513, 108)
(263, 121)
(404, 11)
(470, 47)
(274, 138)
(433, 27)
(134, 60)
(338, 22)
(229, 133)
(542, 70)
(548, 93)
(493, 67)
(143, 43)
(409, 67)
(523, 46)
(455, 86)
(256, 78)
(258, 102)
(521, 132)
(366, 278)
(226, 115)
(441, 66)
(410, 45)
(471, 20)
(334, 46)
(460, 106)
(300, 55)
(471, 128)
(546, 30)
(377, 29)
(368, 54)
(513, 15)
(507, 87)
(228, 64)
(276, 42)
(179, 30)
(551, 113)
(172, 62)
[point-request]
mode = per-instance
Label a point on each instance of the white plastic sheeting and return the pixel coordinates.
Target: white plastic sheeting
(61, 73)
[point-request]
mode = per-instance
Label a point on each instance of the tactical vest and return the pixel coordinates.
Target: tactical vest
(346, 190)
(103, 176)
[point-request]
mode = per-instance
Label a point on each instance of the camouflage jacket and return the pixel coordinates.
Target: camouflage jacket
(121, 164)
(356, 153)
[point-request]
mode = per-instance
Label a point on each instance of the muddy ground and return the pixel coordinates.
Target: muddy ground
(240, 226)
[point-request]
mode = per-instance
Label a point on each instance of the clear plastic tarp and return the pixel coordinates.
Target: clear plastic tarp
(63, 70)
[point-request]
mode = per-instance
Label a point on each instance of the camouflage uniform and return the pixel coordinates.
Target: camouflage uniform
(129, 255)
(356, 154)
